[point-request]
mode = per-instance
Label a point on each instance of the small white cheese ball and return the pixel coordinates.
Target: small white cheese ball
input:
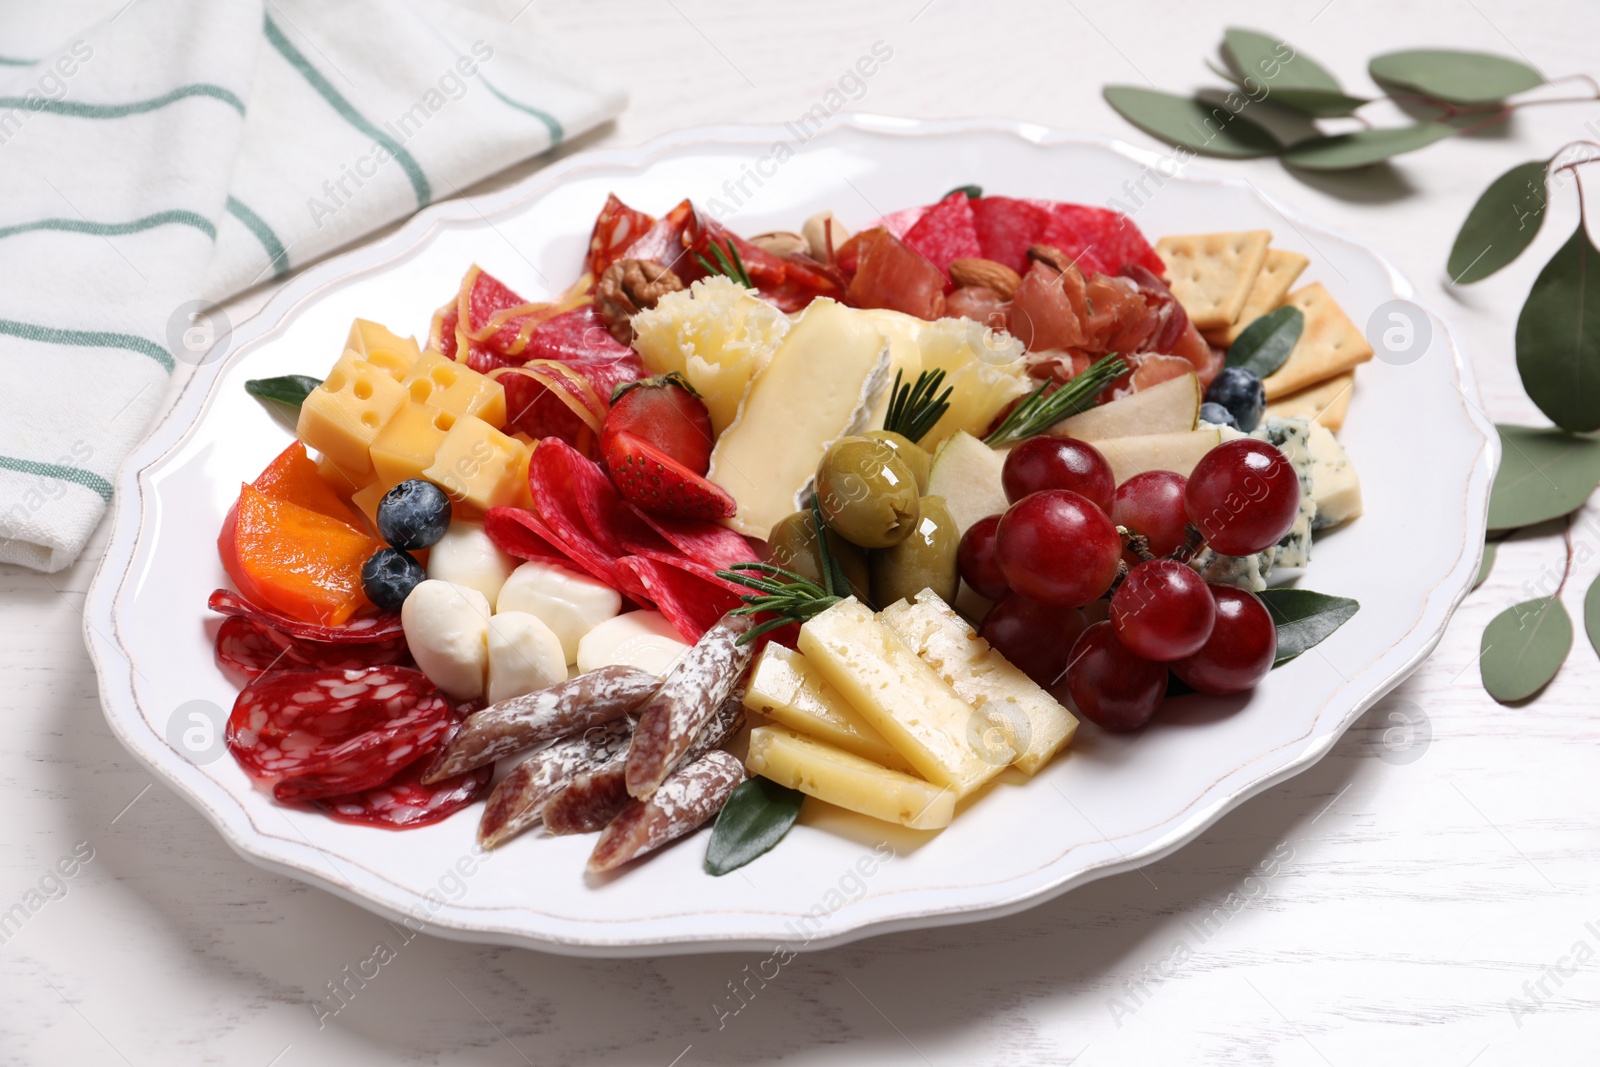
(447, 629)
(524, 655)
(643, 639)
(568, 602)
(466, 556)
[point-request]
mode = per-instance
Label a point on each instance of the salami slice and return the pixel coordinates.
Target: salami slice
(1007, 228)
(359, 631)
(684, 802)
(946, 232)
(322, 733)
(517, 803)
(253, 648)
(405, 802)
(708, 543)
(1098, 239)
(615, 228)
(518, 532)
(551, 475)
(682, 591)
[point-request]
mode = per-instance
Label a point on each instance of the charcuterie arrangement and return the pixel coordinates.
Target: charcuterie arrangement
(871, 518)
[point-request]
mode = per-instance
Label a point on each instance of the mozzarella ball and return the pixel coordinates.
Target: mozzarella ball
(466, 556)
(524, 655)
(568, 602)
(447, 629)
(643, 639)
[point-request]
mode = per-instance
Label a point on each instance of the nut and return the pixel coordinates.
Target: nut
(1050, 256)
(781, 243)
(985, 272)
(817, 230)
(628, 287)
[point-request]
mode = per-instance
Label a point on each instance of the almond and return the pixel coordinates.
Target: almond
(780, 243)
(987, 273)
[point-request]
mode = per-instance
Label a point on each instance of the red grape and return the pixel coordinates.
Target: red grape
(1163, 611)
(1036, 638)
(975, 558)
(1243, 496)
(1152, 504)
(1110, 685)
(1050, 462)
(1241, 648)
(1057, 547)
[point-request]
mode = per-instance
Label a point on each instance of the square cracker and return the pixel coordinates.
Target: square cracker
(1326, 402)
(1212, 273)
(1278, 272)
(1330, 344)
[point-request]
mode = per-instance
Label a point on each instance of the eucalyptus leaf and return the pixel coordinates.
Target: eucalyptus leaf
(1454, 77)
(1591, 614)
(1503, 222)
(1544, 474)
(291, 389)
(755, 818)
(1346, 151)
(1485, 565)
(1558, 336)
(1263, 345)
(1305, 618)
(1290, 77)
(1181, 120)
(1523, 647)
(973, 191)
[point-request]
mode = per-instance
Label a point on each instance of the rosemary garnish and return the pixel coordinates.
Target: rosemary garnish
(794, 599)
(1038, 412)
(913, 409)
(727, 263)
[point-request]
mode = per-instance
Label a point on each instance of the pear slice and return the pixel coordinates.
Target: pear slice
(1177, 452)
(1166, 407)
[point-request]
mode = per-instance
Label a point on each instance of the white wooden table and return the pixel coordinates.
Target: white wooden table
(1412, 900)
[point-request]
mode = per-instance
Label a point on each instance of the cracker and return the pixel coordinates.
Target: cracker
(1211, 273)
(1326, 402)
(1330, 344)
(1278, 272)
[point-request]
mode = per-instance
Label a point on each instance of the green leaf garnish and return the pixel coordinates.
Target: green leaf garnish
(1485, 565)
(1304, 618)
(728, 264)
(913, 409)
(1452, 76)
(1591, 614)
(1038, 412)
(1523, 647)
(1256, 59)
(973, 192)
(1264, 344)
(1347, 151)
(1558, 336)
(1544, 474)
(794, 599)
(1503, 223)
(291, 389)
(1181, 120)
(755, 818)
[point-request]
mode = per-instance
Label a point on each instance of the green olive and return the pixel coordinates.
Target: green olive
(792, 545)
(866, 492)
(925, 560)
(913, 455)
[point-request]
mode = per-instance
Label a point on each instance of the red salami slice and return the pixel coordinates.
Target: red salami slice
(946, 232)
(615, 228)
(404, 803)
(900, 222)
(1007, 228)
(692, 602)
(442, 332)
(707, 543)
(253, 648)
(323, 733)
(557, 477)
(365, 630)
(1098, 239)
(518, 532)
(663, 242)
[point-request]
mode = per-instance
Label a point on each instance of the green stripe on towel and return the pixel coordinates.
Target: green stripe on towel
(277, 255)
(8, 61)
(87, 339)
(76, 475)
(116, 229)
(314, 78)
(74, 109)
(556, 132)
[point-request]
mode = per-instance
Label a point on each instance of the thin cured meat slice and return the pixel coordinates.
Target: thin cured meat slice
(405, 803)
(707, 543)
(253, 648)
(615, 228)
(322, 733)
(517, 803)
(689, 597)
(691, 693)
(688, 798)
(518, 532)
(891, 275)
(1098, 238)
(945, 233)
(550, 482)
(366, 629)
(1007, 228)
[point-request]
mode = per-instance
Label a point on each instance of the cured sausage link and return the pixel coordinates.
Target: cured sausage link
(692, 692)
(518, 801)
(592, 698)
(689, 797)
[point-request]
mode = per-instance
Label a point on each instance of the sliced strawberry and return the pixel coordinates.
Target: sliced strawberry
(666, 413)
(659, 485)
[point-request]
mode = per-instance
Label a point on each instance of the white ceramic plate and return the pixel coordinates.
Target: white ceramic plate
(1425, 454)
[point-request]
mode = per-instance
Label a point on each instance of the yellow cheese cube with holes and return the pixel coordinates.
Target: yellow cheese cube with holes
(457, 388)
(367, 500)
(341, 416)
(480, 467)
(383, 348)
(406, 447)
(343, 482)
(843, 778)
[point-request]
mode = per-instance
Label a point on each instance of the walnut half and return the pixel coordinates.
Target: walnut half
(628, 287)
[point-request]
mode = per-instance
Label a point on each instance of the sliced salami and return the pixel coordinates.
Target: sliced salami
(253, 648)
(686, 593)
(946, 232)
(555, 497)
(1007, 228)
(707, 543)
(359, 631)
(685, 801)
(518, 532)
(517, 803)
(615, 228)
(405, 802)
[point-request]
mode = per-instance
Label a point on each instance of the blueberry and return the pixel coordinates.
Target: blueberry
(389, 576)
(1217, 415)
(1240, 391)
(414, 514)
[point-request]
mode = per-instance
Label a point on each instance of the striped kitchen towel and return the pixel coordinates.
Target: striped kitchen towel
(159, 155)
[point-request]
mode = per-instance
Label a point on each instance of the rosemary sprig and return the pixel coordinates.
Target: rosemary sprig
(1038, 412)
(727, 263)
(913, 409)
(793, 599)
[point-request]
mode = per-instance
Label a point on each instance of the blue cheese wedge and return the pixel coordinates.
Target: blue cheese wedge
(821, 384)
(1334, 484)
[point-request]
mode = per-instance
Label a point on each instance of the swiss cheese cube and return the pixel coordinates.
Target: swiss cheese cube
(383, 348)
(480, 467)
(443, 383)
(406, 446)
(343, 482)
(845, 779)
(367, 500)
(902, 697)
(787, 689)
(341, 416)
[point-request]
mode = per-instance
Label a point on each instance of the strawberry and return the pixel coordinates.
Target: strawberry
(666, 413)
(656, 483)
